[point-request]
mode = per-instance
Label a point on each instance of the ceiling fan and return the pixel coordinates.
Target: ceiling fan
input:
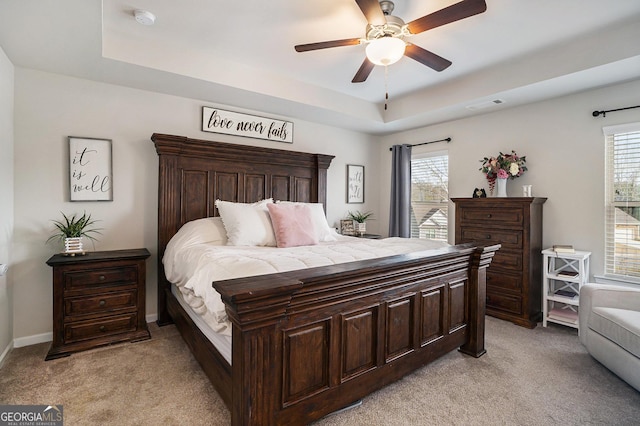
(385, 35)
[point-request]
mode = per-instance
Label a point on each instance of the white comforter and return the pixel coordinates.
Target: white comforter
(194, 266)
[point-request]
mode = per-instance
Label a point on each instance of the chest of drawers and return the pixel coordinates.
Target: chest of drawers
(98, 299)
(514, 278)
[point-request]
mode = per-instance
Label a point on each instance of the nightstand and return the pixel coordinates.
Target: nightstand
(98, 299)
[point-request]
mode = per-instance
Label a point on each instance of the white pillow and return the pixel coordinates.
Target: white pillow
(324, 231)
(247, 224)
(209, 230)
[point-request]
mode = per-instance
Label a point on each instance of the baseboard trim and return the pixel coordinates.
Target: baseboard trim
(151, 318)
(32, 340)
(5, 353)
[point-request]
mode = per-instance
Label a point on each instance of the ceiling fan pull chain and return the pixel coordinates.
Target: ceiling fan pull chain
(386, 86)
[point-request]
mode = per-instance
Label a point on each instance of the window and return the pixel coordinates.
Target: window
(622, 200)
(430, 195)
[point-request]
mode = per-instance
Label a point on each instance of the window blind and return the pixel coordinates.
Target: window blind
(622, 203)
(430, 195)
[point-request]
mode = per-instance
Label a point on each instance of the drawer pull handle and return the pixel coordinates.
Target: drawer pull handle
(488, 236)
(102, 328)
(489, 215)
(102, 303)
(101, 277)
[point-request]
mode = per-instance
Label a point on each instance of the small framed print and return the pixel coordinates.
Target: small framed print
(90, 169)
(355, 183)
(346, 227)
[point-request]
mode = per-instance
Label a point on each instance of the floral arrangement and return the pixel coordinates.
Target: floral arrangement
(502, 167)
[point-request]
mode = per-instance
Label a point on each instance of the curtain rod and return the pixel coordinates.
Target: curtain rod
(604, 113)
(427, 143)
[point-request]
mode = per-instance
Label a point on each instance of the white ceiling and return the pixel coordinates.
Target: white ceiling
(240, 54)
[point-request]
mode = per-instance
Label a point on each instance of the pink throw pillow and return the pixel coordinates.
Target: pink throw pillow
(293, 225)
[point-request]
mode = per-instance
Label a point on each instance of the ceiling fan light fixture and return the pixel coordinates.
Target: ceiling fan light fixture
(385, 50)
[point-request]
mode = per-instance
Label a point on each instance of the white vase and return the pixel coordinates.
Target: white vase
(501, 187)
(361, 227)
(73, 246)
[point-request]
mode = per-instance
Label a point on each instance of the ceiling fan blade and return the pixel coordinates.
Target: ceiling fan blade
(327, 44)
(372, 11)
(453, 13)
(363, 72)
(425, 57)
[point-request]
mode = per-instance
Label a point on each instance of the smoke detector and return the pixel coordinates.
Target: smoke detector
(144, 17)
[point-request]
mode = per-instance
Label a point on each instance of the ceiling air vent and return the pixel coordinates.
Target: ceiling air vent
(485, 104)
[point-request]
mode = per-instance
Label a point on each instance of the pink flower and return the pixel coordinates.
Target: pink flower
(502, 174)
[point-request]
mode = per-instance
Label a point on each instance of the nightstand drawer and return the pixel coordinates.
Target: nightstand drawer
(77, 331)
(504, 302)
(107, 302)
(508, 239)
(494, 217)
(99, 278)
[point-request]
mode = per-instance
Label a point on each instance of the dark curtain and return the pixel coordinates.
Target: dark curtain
(400, 214)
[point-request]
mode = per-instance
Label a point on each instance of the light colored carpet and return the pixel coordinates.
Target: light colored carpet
(528, 377)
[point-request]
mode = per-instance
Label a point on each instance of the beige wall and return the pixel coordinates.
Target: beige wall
(564, 146)
(6, 198)
(50, 107)
(562, 141)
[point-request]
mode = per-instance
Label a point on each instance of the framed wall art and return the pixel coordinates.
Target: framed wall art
(90, 169)
(355, 183)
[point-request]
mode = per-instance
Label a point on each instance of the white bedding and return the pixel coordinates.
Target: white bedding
(193, 263)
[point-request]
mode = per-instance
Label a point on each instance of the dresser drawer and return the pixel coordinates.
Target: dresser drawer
(493, 217)
(100, 278)
(508, 239)
(101, 303)
(504, 281)
(84, 330)
(503, 302)
(510, 261)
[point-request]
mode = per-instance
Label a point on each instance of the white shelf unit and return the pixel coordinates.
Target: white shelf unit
(563, 272)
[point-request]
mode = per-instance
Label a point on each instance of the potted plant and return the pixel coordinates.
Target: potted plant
(72, 229)
(360, 219)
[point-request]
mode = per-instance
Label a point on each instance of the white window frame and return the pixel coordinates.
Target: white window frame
(430, 154)
(611, 259)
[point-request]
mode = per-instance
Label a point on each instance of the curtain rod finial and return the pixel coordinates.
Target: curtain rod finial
(597, 113)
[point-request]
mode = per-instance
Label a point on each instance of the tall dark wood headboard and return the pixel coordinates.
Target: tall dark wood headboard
(193, 173)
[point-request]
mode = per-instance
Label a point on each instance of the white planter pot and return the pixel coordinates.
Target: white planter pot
(361, 227)
(73, 246)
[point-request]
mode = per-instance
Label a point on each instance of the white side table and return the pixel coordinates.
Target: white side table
(564, 274)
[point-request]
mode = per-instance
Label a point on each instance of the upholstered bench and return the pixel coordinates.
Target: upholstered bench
(609, 327)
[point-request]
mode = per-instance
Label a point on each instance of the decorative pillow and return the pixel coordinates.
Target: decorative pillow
(323, 230)
(293, 225)
(247, 224)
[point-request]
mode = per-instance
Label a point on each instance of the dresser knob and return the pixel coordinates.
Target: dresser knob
(102, 303)
(102, 328)
(488, 237)
(101, 277)
(489, 215)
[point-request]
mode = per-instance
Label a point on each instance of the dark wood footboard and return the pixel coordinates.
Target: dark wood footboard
(306, 343)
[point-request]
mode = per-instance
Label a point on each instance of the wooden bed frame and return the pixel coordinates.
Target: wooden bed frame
(306, 343)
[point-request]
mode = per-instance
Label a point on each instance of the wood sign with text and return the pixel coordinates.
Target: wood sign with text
(216, 120)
